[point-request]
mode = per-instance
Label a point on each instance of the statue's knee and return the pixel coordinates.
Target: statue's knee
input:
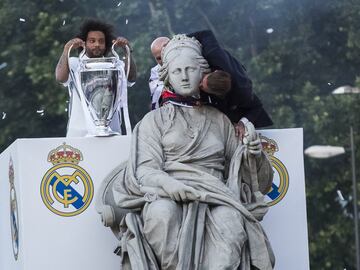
(226, 213)
(162, 210)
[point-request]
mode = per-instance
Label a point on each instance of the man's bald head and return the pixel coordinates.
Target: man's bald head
(156, 47)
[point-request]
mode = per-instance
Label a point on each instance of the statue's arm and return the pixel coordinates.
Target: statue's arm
(150, 168)
(257, 160)
(149, 153)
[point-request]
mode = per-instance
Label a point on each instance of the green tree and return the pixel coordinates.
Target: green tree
(296, 52)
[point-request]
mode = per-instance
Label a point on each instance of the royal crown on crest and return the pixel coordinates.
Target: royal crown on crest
(65, 154)
(269, 145)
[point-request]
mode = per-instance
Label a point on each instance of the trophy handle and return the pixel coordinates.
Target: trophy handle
(128, 57)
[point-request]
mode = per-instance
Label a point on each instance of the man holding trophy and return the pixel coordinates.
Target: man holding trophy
(97, 83)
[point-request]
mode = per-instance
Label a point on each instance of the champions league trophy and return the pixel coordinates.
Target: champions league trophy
(100, 83)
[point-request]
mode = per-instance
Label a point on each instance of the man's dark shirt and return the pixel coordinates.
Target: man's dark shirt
(240, 101)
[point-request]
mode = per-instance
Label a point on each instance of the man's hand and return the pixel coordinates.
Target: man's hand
(121, 42)
(75, 42)
(179, 192)
(239, 130)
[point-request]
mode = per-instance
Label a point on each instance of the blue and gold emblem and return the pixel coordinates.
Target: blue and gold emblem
(66, 189)
(280, 183)
(14, 217)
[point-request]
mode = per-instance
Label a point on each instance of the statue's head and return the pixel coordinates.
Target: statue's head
(183, 65)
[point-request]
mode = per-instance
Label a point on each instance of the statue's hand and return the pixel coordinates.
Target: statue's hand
(252, 140)
(177, 191)
(255, 147)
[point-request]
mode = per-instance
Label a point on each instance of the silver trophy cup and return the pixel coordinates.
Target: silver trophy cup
(99, 86)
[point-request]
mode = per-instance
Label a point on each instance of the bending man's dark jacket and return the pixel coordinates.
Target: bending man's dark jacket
(240, 101)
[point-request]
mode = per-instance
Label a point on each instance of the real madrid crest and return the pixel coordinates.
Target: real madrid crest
(280, 183)
(66, 189)
(14, 217)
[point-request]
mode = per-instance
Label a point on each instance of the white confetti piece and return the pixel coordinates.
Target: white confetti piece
(40, 111)
(64, 22)
(119, 4)
(269, 30)
(3, 65)
(3, 115)
(22, 20)
(126, 22)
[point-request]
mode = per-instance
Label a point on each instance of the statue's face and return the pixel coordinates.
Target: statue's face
(184, 72)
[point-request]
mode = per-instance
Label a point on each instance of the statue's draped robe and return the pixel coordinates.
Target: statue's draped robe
(219, 231)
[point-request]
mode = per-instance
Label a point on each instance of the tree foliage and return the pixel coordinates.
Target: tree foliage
(296, 51)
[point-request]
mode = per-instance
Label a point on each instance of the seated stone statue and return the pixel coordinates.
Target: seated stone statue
(193, 192)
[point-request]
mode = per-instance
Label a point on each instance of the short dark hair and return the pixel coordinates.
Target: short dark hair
(219, 83)
(96, 25)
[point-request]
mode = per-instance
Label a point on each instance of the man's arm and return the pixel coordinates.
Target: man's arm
(132, 71)
(253, 111)
(62, 67)
(122, 42)
(156, 87)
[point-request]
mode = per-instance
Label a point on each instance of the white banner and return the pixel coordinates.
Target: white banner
(286, 221)
(47, 203)
(40, 230)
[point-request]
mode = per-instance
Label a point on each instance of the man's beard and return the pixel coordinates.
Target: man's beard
(95, 53)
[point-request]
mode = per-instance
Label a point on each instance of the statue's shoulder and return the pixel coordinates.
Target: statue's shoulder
(215, 113)
(158, 117)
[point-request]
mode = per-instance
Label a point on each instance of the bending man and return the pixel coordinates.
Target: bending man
(237, 99)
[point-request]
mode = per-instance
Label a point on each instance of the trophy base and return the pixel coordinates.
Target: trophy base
(102, 131)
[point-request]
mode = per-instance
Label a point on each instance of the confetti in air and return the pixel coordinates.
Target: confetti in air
(341, 197)
(119, 4)
(3, 65)
(64, 22)
(329, 83)
(22, 20)
(40, 111)
(269, 30)
(126, 22)
(3, 115)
